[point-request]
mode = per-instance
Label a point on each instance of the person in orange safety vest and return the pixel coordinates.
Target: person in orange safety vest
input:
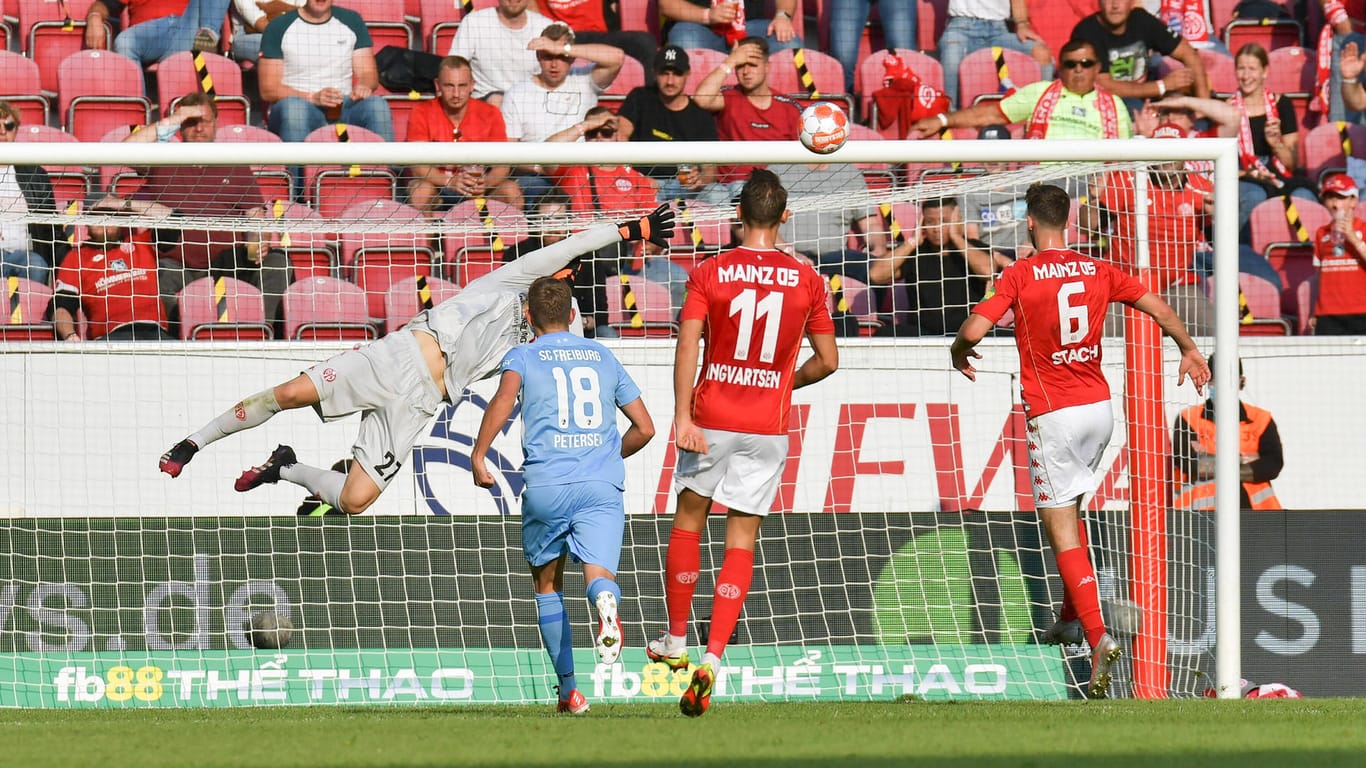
(1259, 446)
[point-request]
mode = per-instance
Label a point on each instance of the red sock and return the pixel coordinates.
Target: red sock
(732, 585)
(681, 563)
(1079, 582)
(1069, 611)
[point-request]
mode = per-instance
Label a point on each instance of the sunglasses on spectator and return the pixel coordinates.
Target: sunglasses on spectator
(600, 133)
(1078, 63)
(9, 125)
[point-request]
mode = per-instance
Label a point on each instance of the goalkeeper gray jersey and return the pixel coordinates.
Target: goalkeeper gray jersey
(476, 327)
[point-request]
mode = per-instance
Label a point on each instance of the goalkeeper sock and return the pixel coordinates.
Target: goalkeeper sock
(1069, 611)
(1079, 581)
(324, 483)
(557, 637)
(681, 565)
(251, 412)
(732, 586)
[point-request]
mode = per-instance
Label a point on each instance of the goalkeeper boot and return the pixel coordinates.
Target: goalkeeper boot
(575, 704)
(1106, 653)
(1063, 633)
(282, 456)
(608, 643)
(174, 460)
(698, 696)
(660, 651)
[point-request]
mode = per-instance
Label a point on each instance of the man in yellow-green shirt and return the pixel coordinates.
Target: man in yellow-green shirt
(1071, 107)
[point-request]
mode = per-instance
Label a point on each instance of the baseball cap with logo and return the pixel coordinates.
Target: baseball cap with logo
(1339, 184)
(1168, 131)
(994, 132)
(671, 58)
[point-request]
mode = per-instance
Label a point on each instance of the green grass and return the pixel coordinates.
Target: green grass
(1114, 734)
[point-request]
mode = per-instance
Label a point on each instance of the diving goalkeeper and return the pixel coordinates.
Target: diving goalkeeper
(400, 381)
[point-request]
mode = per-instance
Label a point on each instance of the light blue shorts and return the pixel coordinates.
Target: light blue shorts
(584, 519)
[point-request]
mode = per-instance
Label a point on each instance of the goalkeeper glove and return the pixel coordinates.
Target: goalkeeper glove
(656, 226)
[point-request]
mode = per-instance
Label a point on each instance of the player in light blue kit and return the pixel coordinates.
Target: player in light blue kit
(570, 389)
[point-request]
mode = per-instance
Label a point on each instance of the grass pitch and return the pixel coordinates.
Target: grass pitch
(1112, 734)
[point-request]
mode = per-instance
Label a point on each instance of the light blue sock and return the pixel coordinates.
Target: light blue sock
(557, 637)
(598, 586)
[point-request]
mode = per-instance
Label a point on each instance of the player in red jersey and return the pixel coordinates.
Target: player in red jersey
(752, 306)
(1060, 298)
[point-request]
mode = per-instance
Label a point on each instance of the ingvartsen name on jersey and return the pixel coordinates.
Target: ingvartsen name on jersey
(747, 377)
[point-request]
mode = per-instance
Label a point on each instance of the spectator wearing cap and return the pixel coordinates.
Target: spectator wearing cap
(1176, 229)
(455, 116)
(26, 250)
(591, 25)
(1340, 255)
(664, 112)
(495, 42)
(317, 67)
(750, 111)
(721, 25)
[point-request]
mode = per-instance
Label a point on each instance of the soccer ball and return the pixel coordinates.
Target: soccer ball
(825, 127)
(271, 630)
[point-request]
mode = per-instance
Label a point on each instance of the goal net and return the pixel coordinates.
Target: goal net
(903, 557)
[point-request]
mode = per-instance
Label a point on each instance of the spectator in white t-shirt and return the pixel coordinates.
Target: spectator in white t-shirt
(253, 16)
(551, 105)
(494, 41)
(317, 67)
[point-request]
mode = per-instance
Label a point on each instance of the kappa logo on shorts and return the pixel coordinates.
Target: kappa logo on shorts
(1045, 497)
(728, 591)
(329, 375)
(687, 577)
(239, 412)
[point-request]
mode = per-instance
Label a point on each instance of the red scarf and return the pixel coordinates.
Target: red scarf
(1335, 12)
(1247, 157)
(1043, 111)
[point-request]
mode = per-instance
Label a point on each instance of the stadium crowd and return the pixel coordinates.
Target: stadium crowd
(1289, 88)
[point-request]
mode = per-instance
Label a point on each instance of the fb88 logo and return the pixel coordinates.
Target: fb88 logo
(121, 683)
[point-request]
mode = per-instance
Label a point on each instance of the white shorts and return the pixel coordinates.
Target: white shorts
(1065, 447)
(739, 470)
(389, 383)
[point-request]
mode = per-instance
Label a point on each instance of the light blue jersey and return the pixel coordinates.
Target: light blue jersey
(571, 390)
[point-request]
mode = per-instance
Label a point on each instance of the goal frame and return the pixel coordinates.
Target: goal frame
(1221, 152)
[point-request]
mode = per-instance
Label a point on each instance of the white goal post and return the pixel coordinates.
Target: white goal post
(22, 486)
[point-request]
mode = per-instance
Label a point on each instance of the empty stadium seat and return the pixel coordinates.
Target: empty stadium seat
(639, 307)
(98, 91)
(1271, 222)
(25, 309)
(274, 181)
(411, 295)
(1263, 304)
(49, 32)
(1326, 147)
(849, 297)
(222, 308)
(326, 308)
(21, 85)
(979, 75)
(180, 74)
(304, 236)
(491, 225)
(439, 21)
(332, 189)
(388, 243)
(827, 78)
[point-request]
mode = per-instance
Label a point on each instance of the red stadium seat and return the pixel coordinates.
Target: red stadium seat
(326, 308)
(411, 295)
(641, 16)
(1219, 70)
(632, 75)
(50, 32)
(868, 77)
(386, 23)
(98, 91)
(178, 75)
(388, 243)
(1268, 33)
(847, 296)
(25, 307)
(333, 189)
(1263, 304)
(640, 307)
(1291, 70)
(440, 20)
(222, 309)
(979, 75)
(401, 108)
(69, 182)
(304, 236)
(274, 181)
(827, 78)
(494, 227)
(701, 61)
(22, 87)
(1326, 147)
(1271, 222)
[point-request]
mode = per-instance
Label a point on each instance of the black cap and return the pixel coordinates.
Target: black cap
(671, 58)
(994, 132)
